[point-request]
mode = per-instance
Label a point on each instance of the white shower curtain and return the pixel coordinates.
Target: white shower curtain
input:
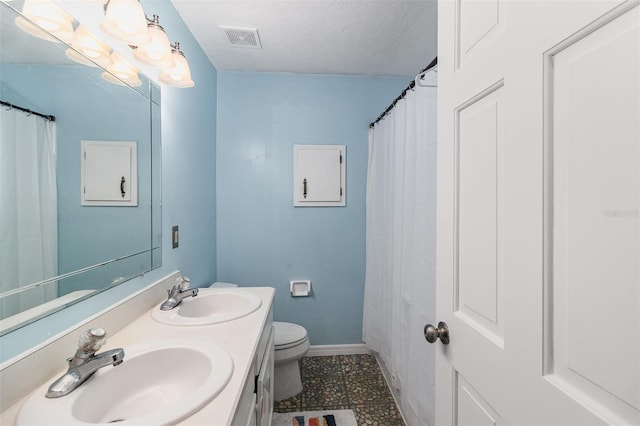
(400, 271)
(28, 209)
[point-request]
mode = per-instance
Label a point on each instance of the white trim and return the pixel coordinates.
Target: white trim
(326, 350)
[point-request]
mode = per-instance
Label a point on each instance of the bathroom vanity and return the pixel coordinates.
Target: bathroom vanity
(246, 398)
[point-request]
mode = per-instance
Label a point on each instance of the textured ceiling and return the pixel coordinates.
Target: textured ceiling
(344, 37)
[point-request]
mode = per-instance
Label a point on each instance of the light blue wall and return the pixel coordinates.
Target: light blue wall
(188, 189)
(262, 238)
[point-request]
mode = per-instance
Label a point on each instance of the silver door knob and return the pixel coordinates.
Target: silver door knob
(432, 334)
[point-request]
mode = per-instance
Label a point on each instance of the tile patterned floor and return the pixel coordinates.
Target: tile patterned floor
(345, 382)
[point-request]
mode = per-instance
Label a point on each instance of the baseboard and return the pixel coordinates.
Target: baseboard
(327, 350)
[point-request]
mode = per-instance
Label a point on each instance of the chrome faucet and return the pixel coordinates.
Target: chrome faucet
(85, 362)
(178, 293)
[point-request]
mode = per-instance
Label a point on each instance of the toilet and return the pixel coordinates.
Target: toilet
(291, 344)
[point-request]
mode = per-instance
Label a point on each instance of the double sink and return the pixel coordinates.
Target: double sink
(158, 383)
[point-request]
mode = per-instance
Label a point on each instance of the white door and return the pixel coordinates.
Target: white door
(538, 212)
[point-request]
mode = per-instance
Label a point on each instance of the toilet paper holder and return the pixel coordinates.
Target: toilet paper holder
(300, 288)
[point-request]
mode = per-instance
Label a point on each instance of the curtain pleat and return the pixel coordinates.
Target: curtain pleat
(400, 257)
(28, 209)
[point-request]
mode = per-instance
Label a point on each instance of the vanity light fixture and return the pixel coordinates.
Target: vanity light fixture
(179, 75)
(126, 21)
(90, 46)
(158, 52)
(121, 72)
(48, 16)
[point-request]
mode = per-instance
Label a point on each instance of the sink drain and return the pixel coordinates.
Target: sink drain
(116, 420)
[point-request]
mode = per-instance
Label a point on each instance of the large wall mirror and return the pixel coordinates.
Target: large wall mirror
(54, 251)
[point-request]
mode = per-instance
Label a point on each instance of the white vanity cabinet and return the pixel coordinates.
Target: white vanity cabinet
(256, 401)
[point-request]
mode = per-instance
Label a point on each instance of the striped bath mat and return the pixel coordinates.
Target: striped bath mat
(315, 418)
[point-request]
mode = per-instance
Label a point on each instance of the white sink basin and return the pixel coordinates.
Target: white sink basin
(157, 384)
(210, 306)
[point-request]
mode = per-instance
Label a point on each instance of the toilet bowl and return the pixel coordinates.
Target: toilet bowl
(291, 344)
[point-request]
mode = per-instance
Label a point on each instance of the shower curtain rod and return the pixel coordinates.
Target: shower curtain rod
(404, 92)
(28, 111)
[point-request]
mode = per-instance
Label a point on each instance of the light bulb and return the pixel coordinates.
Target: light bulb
(121, 72)
(91, 47)
(158, 52)
(49, 17)
(125, 20)
(180, 74)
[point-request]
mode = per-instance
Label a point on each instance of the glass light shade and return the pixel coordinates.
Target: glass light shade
(180, 75)
(121, 72)
(125, 20)
(158, 52)
(91, 47)
(50, 17)
(30, 28)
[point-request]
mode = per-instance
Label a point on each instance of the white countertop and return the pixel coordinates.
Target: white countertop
(239, 337)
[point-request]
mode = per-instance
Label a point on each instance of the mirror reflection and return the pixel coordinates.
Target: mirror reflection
(53, 249)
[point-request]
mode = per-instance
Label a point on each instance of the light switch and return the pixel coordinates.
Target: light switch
(174, 237)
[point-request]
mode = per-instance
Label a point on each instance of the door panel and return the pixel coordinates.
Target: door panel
(478, 23)
(538, 233)
(479, 282)
(473, 410)
(596, 232)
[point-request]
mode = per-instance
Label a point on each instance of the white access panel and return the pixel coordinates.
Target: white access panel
(319, 175)
(109, 173)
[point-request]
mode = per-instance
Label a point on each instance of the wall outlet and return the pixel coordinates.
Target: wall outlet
(174, 237)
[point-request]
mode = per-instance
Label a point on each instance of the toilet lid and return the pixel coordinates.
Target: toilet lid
(287, 334)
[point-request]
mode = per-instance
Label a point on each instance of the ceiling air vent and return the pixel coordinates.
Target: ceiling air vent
(242, 37)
